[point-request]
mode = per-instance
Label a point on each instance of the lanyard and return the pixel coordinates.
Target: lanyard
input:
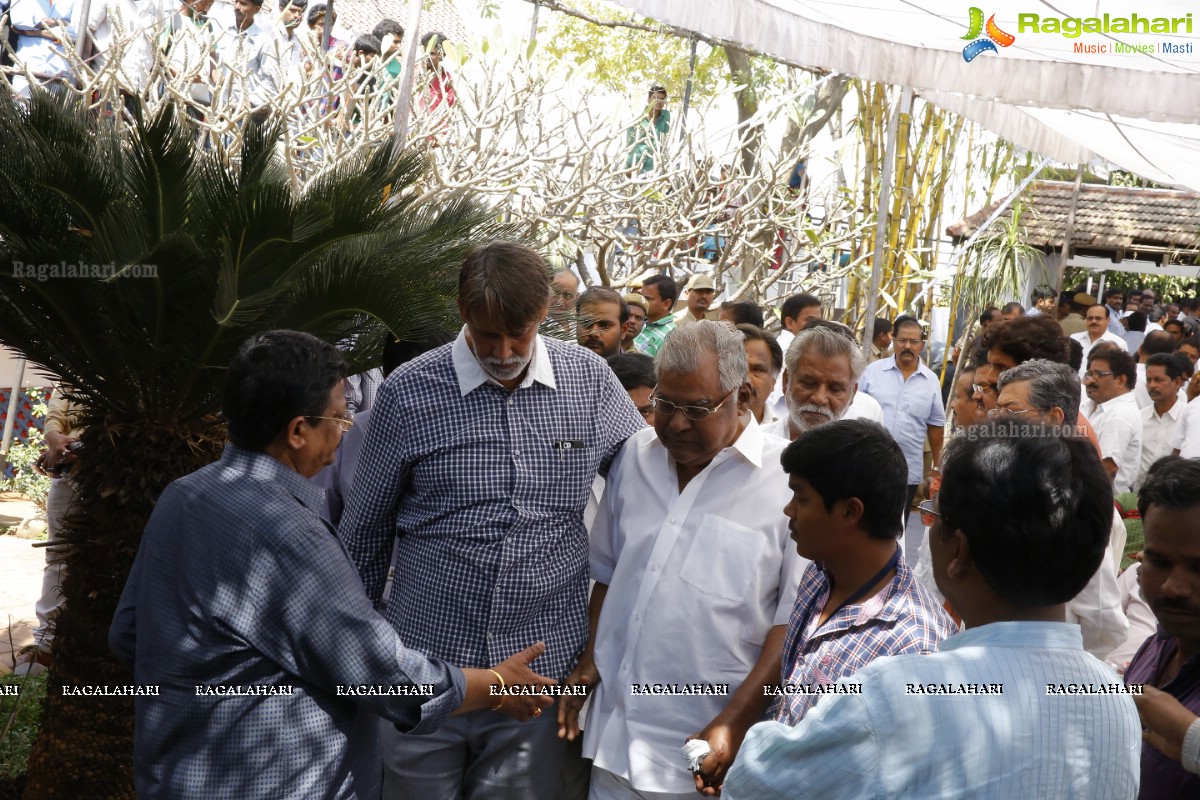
(792, 653)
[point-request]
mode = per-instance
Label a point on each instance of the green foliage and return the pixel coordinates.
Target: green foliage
(19, 716)
(630, 61)
(23, 455)
(1165, 286)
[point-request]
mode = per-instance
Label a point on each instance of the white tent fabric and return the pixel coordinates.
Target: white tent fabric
(1139, 108)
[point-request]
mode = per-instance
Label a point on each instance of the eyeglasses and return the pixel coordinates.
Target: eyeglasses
(345, 423)
(927, 512)
(910, 342)
(980, 388)
(694, 413)
(999, 412)
(1097, 373)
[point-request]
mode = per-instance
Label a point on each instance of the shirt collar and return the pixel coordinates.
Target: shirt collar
(749, 444)
(1018, 635)
(268, 469)
(471, 375)
(886, 605)
(1119, 400)
(669, 318)
(890, 363)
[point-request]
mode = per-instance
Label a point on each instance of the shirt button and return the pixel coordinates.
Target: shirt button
(673, 520)
(637, 617)
(654, 567)
(516, 453)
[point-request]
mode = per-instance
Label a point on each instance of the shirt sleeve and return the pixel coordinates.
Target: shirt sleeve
(1115, 435)
(1097, 610)
(937, 412)
(58, 417)
(1190, 755)
(302, 616)
(368, 525)
(791, 571)
(833, 753)
(605, 539)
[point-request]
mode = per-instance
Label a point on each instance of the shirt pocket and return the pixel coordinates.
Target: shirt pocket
(723, 560)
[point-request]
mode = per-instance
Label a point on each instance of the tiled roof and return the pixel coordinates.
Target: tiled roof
(360, 16)
(1110, 218)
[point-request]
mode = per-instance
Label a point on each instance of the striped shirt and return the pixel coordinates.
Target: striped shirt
(901, 619)
(484, 490)
(997, 713)
(651, 339)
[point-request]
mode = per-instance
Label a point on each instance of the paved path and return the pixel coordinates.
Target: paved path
(20, 584)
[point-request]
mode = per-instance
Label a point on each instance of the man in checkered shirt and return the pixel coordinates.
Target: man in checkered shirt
(476, 470)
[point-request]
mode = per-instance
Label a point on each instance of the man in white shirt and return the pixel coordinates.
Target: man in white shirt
(1115, 300)
(695, 579)
(859, 406)
(42, 27)
(130, 29)
(794, 314)
(1154, 343)
(1114, 413)
(1164, 378)
(248, 52)
(1187, 435)
(1097, 331)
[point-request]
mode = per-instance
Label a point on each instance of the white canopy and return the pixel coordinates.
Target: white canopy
(1069, 96)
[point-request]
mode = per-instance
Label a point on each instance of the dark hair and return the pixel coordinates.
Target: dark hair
(1026, 338)
(1013, 306)
(1115, 292)
(602, 294)
(1172, 482)
(1137, 321)
(666, 288)
(314, 11)
(1193, 341)
(633, 370)
(1074, 353)
(507, 282)
(1036, 509)
(1185, 365)
(1168, 362)
(1107, 310)
(988, 314)
(1158, 342)
(905, 319)
(792, 307)
(1182, 325)
(836, 327)
(869, 466)
(880, 327)
(431, 36)
(656, 88)
(1120, 362)
(387, 26)
(744, 312)
(1042, 292)
(275, 377)
(367, 43)
(755, 333)
(397, 352)
(297, 3)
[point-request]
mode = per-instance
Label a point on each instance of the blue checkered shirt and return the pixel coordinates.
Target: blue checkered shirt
(902, 618)
(485, 489)
(238, 583)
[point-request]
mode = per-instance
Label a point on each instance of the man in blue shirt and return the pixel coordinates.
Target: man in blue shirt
(911, 397)
(1011, 707)
(476, 471)
(242, 609)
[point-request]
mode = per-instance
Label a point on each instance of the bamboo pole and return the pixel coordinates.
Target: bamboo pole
(1070, 232)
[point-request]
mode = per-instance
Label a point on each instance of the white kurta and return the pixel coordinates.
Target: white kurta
(696, 581)
(1118, 425)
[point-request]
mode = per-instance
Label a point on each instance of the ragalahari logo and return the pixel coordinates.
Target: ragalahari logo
(987, 43)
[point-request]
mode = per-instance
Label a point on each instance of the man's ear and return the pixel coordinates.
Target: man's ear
(850, 511)
(959, 563)
(296, 434)
(744, 393)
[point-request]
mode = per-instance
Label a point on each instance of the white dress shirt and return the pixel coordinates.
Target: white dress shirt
(1158, 435)
(696, 581)
(250, 61)
(1187, 434)
(134, 27)
(1118, 425)
(1142, 622)
(44, 58)
(1085, 339)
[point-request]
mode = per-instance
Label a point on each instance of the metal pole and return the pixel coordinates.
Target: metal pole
(881, 215)
(327, 30)
(82, 38)
(400, 131)
(687, 91)
(11, 420)
(1070, 232)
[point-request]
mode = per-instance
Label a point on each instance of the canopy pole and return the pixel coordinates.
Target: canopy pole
(533, 25)
(327, 28)
(403, 105)
(881, 216)
(687, 91)
(1069, 234)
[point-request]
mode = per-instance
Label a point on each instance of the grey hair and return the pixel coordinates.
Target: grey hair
(1050, 384)
(826, 343)
(684, 349)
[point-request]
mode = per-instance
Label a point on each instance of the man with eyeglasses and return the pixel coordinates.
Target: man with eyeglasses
(1097, 332)
(241, 609)
(476, 472)
(911, 396)
(695, 580)
(1113, 411)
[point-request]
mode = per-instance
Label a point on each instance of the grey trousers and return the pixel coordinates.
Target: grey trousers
(483, 755)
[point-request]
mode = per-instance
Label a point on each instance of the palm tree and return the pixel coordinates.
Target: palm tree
(177, 258)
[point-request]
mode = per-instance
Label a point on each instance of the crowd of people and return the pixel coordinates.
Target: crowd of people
(592, 546)
(229, 57)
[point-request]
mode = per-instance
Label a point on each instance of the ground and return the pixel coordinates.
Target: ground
(20, 581)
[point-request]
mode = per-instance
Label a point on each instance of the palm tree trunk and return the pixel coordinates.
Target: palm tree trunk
(84, 748)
